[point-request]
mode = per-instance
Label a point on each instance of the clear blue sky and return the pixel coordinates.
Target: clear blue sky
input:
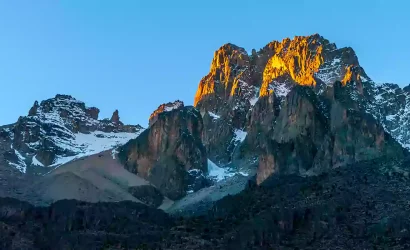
(133, 55)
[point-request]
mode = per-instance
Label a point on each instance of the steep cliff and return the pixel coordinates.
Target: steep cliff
(169, 153)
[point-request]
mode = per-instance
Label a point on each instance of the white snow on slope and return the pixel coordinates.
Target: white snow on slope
(255, 97)
(36, 162)
(218, 173)
(213, 115)
(53, 125)
(281, 89)
(254, 100)
(21, 158)
(174, 105)
(363, 79)
(330, 71)
(18, 167)
(335, 61)
(93, 143)
(21, 164)
(240, 135)
(243, 173)
(114, 152)
(390, 117)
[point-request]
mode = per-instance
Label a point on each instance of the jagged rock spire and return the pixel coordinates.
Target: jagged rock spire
(115, 118)
(33, 109)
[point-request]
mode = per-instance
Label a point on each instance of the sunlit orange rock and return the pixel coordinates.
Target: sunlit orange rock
(229, 69)
(299, 58)
(348, 75)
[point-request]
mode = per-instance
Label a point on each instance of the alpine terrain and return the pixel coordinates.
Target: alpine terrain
(293, 146)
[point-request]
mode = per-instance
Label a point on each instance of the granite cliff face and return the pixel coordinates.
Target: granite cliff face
(302, 106)
(169, 153)
(58, 130)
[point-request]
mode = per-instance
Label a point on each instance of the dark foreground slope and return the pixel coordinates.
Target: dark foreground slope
(70, 224)
(363, 206)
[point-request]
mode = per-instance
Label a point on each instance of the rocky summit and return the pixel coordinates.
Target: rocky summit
(293, 146)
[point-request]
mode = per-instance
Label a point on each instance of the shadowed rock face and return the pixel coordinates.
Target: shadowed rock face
(72, 224)
(312, 135)
(168, 149)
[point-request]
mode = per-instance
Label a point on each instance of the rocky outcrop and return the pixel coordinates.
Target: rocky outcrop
(60, 129)
(33, 110)
(168, 149)
(93, 112)
(115, 118)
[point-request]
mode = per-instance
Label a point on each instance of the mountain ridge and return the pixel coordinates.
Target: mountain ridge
(60, 129)
(253, 109)
(291, 147)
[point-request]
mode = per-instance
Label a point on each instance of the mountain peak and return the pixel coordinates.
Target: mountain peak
(231, 47)
(62, 96)
(304, 60)
(165, 107)
(60, 129)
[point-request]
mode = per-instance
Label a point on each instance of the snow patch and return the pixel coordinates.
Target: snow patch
(240, 135)
(176, 105)
(93, 143)
(378, 97)
(363, 79)
(254, 100)
(114, 152)
(18, 167)
(218, 173)
(390, 117)
(21, 158)
(36, 162)
(335, 61)
(243, 173)
(281, 89)
(213, 115)
(242, 81)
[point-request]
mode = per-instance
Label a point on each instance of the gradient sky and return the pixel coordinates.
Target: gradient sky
(133, 55)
